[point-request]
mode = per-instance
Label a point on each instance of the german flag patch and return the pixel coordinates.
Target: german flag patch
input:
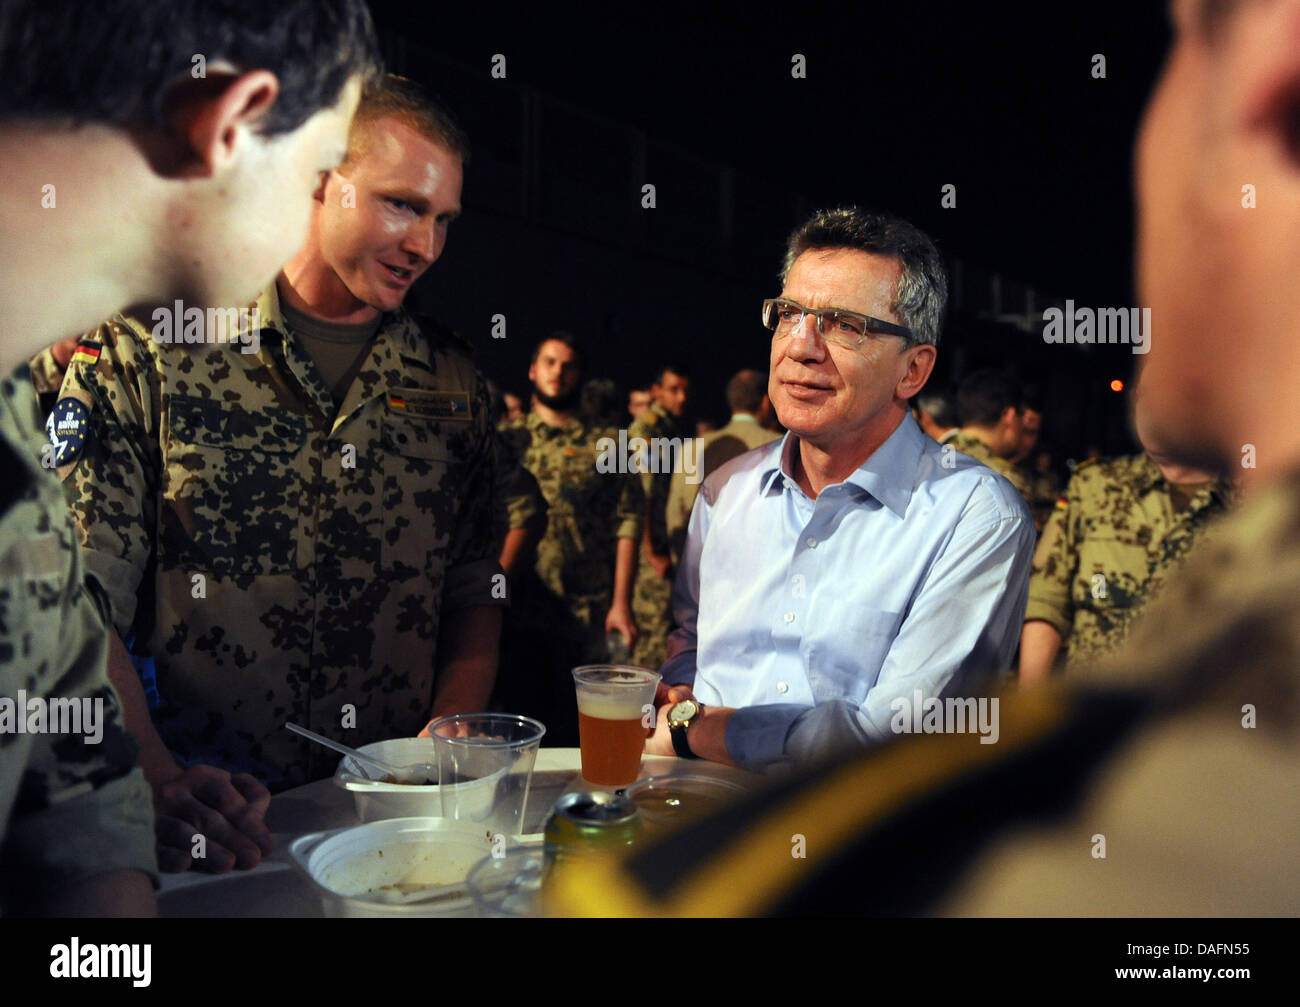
(87, 352)
(422, 403)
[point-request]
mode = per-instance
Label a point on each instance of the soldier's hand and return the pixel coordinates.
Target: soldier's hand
(661, 564)
(620, 620)
(226, 811)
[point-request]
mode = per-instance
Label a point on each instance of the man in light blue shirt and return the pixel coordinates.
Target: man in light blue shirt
(832, 574)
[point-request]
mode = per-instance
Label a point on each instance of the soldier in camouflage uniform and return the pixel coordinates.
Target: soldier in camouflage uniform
(289, 536)
(988, 402)
(580, 586)
(1121, 526)
(652, 595)
(300, 556)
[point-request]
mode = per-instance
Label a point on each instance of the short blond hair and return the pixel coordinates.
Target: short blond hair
(403, 99)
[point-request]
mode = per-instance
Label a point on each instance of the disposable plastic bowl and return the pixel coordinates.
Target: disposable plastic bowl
(667, 801)
(377, 801)
(364, 870)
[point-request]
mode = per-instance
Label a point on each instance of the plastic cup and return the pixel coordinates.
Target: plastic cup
(478, 750)
(509, 886)
(613, 702)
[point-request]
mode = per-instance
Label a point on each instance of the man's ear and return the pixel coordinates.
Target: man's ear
(319, 194)
(919, 367)
(214, 114)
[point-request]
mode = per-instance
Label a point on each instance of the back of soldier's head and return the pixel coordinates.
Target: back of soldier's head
(985, 395)
(745, 392)
(122, 62)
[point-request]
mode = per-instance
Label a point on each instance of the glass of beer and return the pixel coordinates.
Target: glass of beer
(612, 705)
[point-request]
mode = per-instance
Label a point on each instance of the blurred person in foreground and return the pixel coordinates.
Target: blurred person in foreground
(854, 562)
(124, 172)
(1166, 780)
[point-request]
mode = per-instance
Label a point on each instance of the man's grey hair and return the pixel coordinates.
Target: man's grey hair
(922, 294)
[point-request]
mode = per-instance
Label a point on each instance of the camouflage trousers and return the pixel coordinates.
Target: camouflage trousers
(652, 609)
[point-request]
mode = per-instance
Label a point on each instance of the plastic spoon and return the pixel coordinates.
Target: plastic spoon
(404, 774)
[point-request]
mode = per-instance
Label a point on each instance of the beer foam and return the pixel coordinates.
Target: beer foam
(609, 707)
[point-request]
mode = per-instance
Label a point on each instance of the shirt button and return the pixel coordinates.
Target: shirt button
(812, 543)
(788, 484)
(789, 617)
(782, 687)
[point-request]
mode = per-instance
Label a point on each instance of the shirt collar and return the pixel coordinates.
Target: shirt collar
(888, 474)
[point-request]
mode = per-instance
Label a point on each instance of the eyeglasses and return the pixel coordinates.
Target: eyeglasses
(844, 328)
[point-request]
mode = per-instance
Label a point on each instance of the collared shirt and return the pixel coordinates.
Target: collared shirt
(813, 616)
(1110, 543)
(285, 558)
(72, 805)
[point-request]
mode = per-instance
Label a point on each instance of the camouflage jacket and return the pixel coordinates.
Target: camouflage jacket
(1107, 547)
(284, 558)
(589, 510)
(978, 450)
(72, 805)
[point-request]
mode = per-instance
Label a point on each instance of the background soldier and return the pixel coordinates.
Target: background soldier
(752, 418)
(936, 414)
(581, 586)
(652, 597)
(988, 403)
(1122, 525)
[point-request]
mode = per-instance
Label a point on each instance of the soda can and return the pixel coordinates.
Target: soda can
(591, 822)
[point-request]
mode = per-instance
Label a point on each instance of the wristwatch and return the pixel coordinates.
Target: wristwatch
(680, 717)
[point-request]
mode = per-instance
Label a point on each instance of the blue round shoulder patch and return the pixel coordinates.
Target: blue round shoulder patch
(69, 428)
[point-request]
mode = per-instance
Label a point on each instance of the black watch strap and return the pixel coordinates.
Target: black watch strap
(680, 745)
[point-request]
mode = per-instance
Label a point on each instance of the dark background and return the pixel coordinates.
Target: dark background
(899, 100)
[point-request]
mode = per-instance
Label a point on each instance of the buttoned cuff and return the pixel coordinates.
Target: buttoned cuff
(473, 584)
(756, 734)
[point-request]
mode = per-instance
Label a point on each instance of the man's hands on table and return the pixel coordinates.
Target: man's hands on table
(228, 811)
(707, 734)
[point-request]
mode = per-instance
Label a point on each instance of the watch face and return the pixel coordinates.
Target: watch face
(683, 711)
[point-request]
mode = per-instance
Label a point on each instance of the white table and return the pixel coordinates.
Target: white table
(277, 888)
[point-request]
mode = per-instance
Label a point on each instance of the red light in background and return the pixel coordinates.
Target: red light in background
(1116, 385)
